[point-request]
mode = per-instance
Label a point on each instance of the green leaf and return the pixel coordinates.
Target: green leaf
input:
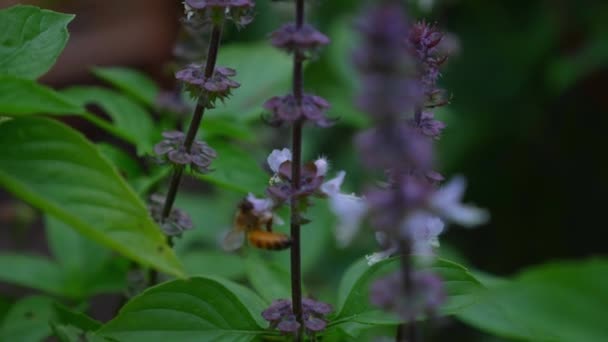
(235, 169)
(31, 39)
(197, 309)
(87, 267)
(56, 169)
(127, 116)
(28, 320)
(32, 271)
(559, 302)
(268, 278)
(67, 316)
(23, 97)
(122, 160)
(357, 313)
(133, 83)
(262, 74)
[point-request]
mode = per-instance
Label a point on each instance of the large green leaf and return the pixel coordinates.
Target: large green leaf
(127, 115)
(263, 73)
(31, 39)
(28, 320)
(355, 311)
(57, 170)
(32, 271)
(23, 97)
(87, 267)
(560, 302)
(197, 309)
(132, 82)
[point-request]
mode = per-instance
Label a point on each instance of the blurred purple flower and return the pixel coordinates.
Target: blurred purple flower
(427, 294)
(305, 39)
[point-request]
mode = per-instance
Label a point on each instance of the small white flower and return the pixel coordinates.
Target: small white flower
(349, 209)
(188, 11)
(278, 157)
(375, 258)
(423, 230)
(322, 166)
(332, 186)
(260, 205)
(446, 203)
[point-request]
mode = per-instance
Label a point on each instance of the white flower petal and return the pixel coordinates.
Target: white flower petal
(375, 258)
(423, 230)
(260, 205)
(332, 186)
(446, 203)
(278, 157)
(465, 215)
(350, 210)
(322, 166)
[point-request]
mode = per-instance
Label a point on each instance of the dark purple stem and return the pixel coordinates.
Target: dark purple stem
(407, 332)
(296, 165)
(199, 111)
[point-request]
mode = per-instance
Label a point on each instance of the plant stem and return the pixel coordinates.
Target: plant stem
(296, 165)
(407, 332)
(199, 111)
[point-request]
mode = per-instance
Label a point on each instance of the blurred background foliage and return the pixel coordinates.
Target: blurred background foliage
(525, 125)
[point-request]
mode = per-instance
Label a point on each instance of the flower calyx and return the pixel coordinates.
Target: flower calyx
(218, 86)
(172, 150)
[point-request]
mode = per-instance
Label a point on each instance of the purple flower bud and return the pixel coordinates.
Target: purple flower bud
(286, 109)
(428, 125)
(281, 317)
(306, 39)
(216, 87)
(172, 149)
(239, 11)
(180, 156)
(177, 222)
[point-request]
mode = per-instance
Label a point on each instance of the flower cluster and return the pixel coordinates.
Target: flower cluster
(171, 149)
(411, 209)
(176, 223)
(280, 315)
(423, 41)
(305, 39)
(238, 11)
(287, 109)
(210, 89)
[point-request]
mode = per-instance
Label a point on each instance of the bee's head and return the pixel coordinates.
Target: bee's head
(245, 205)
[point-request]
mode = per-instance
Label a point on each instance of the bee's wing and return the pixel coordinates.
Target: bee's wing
(233, 240)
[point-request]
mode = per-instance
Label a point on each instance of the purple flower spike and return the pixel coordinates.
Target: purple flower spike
(177, 222)
(239, 11)
(281, 317)
(172, 149)
(216, 87)
(286, 109)
(306, 39)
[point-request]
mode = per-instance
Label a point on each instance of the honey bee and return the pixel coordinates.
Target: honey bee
(252, 224)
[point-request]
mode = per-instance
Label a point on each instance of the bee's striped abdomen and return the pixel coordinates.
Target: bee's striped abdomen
(269, 240)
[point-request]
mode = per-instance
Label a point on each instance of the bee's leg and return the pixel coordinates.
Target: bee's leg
(269, 225)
